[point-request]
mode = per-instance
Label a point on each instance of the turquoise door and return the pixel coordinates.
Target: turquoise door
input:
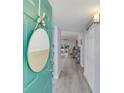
(33, 82)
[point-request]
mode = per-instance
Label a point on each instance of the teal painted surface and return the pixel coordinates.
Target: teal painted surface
(36, 82)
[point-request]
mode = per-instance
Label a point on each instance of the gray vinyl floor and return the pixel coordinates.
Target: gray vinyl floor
(71, 79)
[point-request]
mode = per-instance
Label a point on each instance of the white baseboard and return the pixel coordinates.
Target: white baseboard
(57, 75)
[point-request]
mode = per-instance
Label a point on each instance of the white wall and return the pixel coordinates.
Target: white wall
(97, 60)
(57, 67)
(81, 45)
(92, 57)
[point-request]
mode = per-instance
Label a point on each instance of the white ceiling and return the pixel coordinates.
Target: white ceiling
(73, 15)
(69, 35)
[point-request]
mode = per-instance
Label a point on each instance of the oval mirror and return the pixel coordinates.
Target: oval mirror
(38, 50)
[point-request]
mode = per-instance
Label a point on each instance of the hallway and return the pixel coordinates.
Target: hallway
(52, 31)
(71, 79)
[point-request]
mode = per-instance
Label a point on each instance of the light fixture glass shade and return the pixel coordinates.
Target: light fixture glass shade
(96, 18)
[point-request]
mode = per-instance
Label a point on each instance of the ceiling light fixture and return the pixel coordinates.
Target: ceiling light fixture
(96, 18)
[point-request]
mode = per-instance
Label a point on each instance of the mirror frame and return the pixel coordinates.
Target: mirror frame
(33, 31)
